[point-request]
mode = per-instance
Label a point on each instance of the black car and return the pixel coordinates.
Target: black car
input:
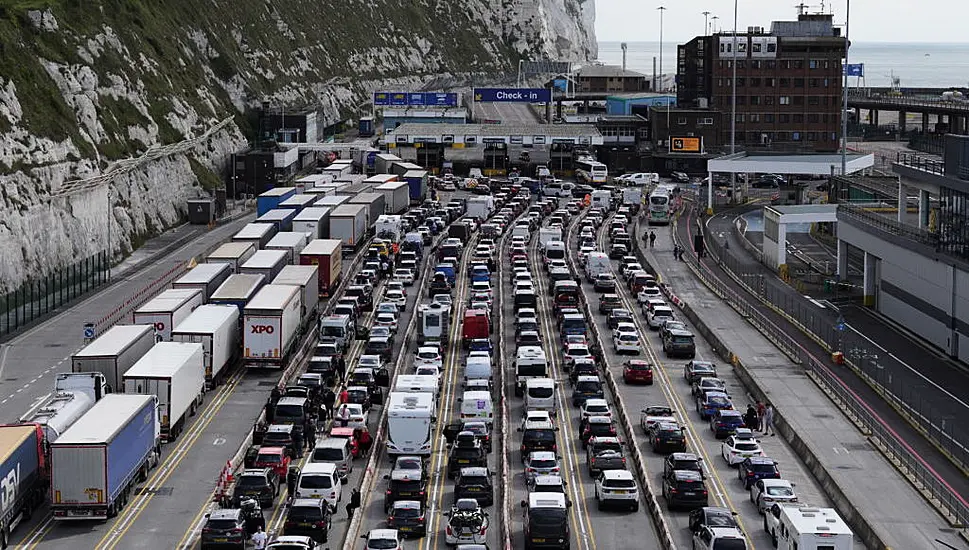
(474, 483)
(668, 437)
(680, 177)
(587, 387)
(227, 528)
(404, 487)
(467, 451)
(684, 489)
(617, 316)
(711, 516)
(282, 435)
(609, 302)
(580, 191)
(537, 436)
(596, 426)
(696, 369)
(682, 461)
(618, 250)
(757, 467)
(309, 517)
(407, 516)
(478, 428)
(261, 484)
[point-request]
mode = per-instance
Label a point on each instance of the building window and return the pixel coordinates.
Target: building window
(708, 121)
(813, 64)
(796, 136)
(769, 82)
(814, 100)
(786, 64)
(771, 48)
(741, 99)
(798, 63)
(755, 82)
(740, 117)
(826, 83)
(755, 64)
(741, 64)
(681, 120)
(798, 118)
(754, 117)
(768, 100)
(826, 62)
(824, 118)
(814, 82)
(783, 118)
(782, 136)
(813, 118)
(798, 82)
(741, 81)
(755, 100)
(798, 100)
(834, 136)
(785, 83)
(769, 117)
(720, 83)
(784, 100)
(812, 136)
(771, 64)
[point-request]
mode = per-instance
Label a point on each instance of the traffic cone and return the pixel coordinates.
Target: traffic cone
(228, 472)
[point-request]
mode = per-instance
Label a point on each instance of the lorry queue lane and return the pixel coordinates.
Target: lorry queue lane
(671, 389)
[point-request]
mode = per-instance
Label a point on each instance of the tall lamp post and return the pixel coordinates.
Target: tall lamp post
(844, 97)
(715, 19)
(733, 106)
(662, 85)
(706, 23)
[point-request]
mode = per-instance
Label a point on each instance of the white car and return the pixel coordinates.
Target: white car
(370, 362)
(595, 407)
(387, 307)
(624, 327)
(765, 492)
(397, 285)
(532, 415)
(540, 463)
(524, 285)
(630, 269)
(404, 275)
(713, 538)
(386, 319)
(648, 293)
(586, 232)
(626, 342)
(483, 287)
(443, 299)
(735, 449)
(396, 297)
(617, 488)
(429, 355)
(659, 315)
(467, 523)
(358, 418)
(383, 539)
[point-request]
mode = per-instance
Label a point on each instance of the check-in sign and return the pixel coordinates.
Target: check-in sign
(512, 95)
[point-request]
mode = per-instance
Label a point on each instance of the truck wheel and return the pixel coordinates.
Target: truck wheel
(4, 538)
(111, 511)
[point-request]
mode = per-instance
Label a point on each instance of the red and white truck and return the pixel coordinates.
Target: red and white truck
(168, 309)
(271, 322)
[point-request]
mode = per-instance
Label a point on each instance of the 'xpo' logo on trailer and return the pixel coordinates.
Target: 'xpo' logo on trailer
(263, 329)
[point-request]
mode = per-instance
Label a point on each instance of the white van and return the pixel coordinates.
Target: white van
(477, 405)
(596, 263)
(320, 480)
(409, 419)
(540, 394)
(478, 366)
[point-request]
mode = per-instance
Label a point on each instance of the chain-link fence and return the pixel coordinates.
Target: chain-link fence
(899, 384)
(38, 297)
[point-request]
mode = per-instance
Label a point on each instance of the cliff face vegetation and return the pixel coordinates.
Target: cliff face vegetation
(134, 88)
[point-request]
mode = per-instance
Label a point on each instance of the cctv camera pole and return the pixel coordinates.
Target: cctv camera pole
(844, 98)
(733, 107)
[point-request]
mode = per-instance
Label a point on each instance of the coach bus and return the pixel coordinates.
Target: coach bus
(589, 170)
(659, 206)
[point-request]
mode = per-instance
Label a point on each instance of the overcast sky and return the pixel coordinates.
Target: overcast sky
(871, 20)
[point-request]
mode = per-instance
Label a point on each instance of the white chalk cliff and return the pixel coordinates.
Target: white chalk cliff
(88, 88)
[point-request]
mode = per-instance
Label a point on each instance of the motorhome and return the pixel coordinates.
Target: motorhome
(806, 528)
(409, 419)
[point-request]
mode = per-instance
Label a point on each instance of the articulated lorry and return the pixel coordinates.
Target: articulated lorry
(23, 469)
(270, 326)
(96, 463)
(114, 352)
(74, 394)
(174, 373)
(168, 309)
(217, 328)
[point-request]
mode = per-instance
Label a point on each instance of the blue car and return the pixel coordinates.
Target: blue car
(726, 422)
(480, 273)
(710, 402)
(755, 468)
(448, 271)
(480, 344)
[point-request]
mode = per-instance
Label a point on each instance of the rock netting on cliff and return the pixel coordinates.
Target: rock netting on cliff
(87, 86)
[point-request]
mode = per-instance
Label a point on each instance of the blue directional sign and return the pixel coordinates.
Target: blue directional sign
(512, 95)
(854, 69)
(415, 99)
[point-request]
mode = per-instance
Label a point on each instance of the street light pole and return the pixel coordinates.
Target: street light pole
(844, 97)
(661, 82)
(110, 255)
(706, 23)
(733, 107)
(715, 18)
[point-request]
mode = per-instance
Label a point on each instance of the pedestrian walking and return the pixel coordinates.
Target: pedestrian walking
(292, 476)
(324, 414)
(344, 395)
(652, 239)
(270, 410)
(329, 398)
(353, 504)
(344, 415)
(311, 439)
(750, 417)
(676, 252)
(275, 394)
(259, 539)
(769, 420)
(761, 411)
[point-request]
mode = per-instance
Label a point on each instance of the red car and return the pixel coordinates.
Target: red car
(273, 457)
(637, 372)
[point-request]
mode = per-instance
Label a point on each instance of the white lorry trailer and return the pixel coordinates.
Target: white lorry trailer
(216, 328)
(174, 373)
(270, 324)
(307, 277)
(291, 242)
(235, 254)
(113, 353)
(205, 277)
(168, 309)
